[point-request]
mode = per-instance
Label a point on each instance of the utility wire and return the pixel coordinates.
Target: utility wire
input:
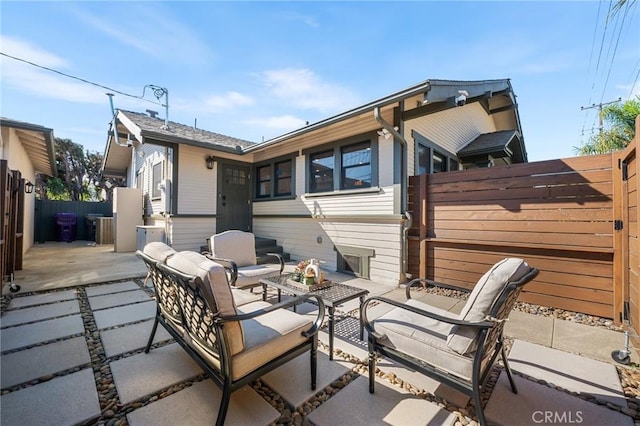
(593, 45)
(82, 79)
(615, 49)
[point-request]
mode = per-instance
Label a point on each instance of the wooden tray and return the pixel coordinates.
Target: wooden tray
(304, 287)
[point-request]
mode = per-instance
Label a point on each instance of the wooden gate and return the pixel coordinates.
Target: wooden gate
(627, 259)
(11, 221)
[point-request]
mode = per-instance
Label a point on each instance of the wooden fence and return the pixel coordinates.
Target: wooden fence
(558, 215)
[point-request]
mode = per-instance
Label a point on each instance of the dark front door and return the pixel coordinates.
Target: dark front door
(234, 197)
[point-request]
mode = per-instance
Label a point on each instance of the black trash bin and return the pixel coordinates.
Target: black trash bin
(91, 220)
(66, 223)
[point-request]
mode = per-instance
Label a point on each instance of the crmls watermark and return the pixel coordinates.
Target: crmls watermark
(555, 417)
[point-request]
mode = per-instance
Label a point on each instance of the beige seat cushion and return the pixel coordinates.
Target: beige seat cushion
(251, 275)
(464, 339)
(423, 338)
(216, 288)
(158, 251)
(266, 338)
(235, 245)
(242, 297)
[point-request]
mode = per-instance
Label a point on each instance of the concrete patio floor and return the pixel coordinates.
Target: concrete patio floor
(64, 347)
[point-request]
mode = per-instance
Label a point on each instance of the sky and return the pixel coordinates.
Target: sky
(257, 70)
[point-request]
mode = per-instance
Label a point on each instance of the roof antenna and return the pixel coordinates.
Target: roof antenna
(159, 92)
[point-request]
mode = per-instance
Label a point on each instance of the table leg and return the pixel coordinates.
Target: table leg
(264, 292)
(331, 324)
(361, 325)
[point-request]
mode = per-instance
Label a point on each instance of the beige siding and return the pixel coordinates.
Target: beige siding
(190, 233)
(196, 184)
(299, 237)
(153, 154)
(17, 159)
(451, 129)
(353, 126)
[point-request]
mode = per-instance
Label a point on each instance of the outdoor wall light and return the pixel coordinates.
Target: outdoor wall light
(210, 159)
(28, 187)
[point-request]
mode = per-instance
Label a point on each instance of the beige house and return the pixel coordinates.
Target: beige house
(335, 190)
(25, 149)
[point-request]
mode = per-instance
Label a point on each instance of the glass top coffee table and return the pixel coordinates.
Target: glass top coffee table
(332, 296)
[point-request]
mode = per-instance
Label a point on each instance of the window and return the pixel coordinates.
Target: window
(430, 158)
(274, 179)
(283, 177)
(322, 172)
(439, 162)
(156, 178)
(344, 165)
(356, 166)
(264, 181)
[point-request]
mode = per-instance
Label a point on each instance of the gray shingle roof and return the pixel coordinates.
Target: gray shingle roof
(487, 143)
(153, 127)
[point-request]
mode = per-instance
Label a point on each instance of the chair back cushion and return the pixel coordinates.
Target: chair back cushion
(463, 339)
(158, 251)
(216, 290)
(238, 246)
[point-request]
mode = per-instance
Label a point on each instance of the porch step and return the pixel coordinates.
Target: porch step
(269, 245)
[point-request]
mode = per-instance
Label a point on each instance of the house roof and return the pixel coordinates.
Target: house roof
(38, 143)
(142, 126)
(435, 92)
(498, 144)
(436, 95)
(154, 128)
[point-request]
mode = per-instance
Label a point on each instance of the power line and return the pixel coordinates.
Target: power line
(82, 79)
(615, 49)
(599, 106)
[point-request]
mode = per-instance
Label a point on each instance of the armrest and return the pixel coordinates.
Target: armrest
(365, 321)
(228, 264)
(283, 305)
(280, 259)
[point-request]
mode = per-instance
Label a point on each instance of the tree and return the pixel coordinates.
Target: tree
(620, 129)
(78, 175)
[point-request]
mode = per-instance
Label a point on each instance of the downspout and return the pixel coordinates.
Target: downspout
(113, 122)
(408, 220)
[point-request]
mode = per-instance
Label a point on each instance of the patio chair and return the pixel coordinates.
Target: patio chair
(458, 350)
(236, 251)
(234, 345)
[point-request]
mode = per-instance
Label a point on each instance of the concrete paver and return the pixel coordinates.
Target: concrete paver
(568, 371)
(389, 405)
(23, 366)
(65, 400)
(117, 299)
(198, 405)
(292, 381)
(536, 404)
(43, 331)
(143, 374)
(131, 337)
(124, 314)
(38, 313)
(39, 299)
(101, 289)
(532, 328)
(596, 343)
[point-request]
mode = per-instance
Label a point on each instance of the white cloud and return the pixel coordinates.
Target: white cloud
(632, 90)
(149, 31)
(282, 122)
(230, 100)
(305, 19)
(304, 89)
(27, 78)
(23, 50)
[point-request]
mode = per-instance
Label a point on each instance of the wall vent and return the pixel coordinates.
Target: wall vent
(354, 260)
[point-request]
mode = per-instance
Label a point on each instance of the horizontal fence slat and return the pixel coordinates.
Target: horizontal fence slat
(557, 215)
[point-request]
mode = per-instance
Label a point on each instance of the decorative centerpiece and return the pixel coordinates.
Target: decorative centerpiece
(308, 276)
